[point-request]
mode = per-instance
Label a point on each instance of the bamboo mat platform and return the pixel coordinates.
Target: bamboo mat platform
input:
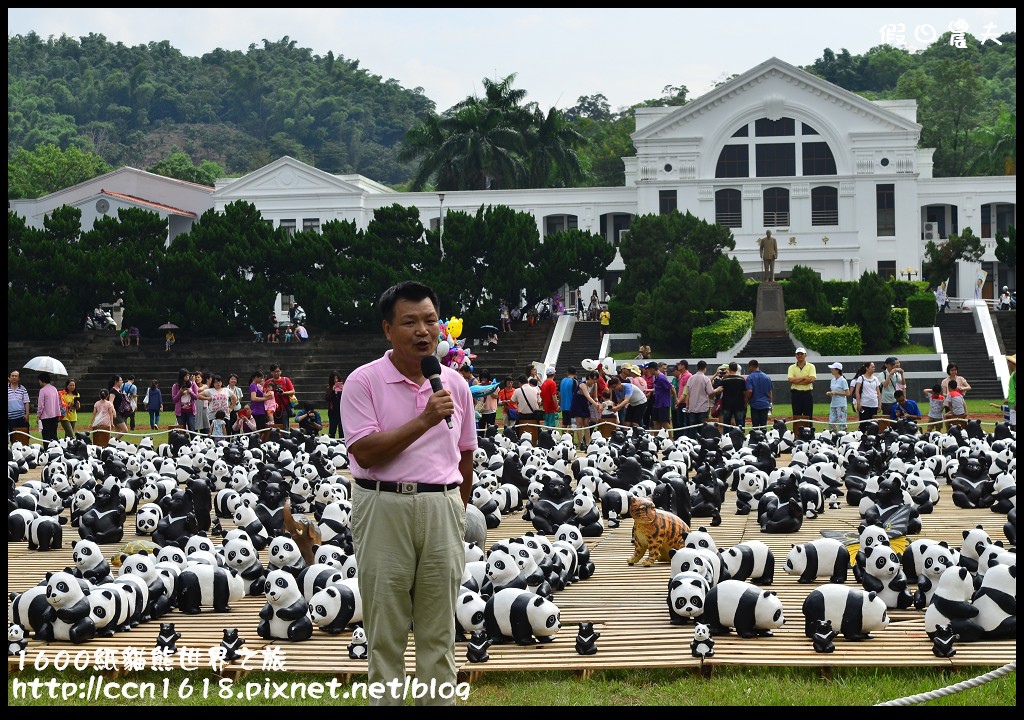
(627, 605)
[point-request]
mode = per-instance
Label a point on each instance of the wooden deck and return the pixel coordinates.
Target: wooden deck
(626, 604)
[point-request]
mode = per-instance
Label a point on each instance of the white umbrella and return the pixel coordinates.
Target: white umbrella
(45, 363)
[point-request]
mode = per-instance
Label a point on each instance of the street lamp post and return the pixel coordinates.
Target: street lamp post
(910, 273)
(440, 225)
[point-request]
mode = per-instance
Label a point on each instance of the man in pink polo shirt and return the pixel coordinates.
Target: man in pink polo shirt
(412, 481)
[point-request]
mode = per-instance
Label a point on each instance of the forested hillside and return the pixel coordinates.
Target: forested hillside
(237, 111)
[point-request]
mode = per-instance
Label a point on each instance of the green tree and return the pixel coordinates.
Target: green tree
(806, 289)
(47, 169)
(1006, 247)
(677, 301)
(941, 258)
(179, 165)
(869, 306)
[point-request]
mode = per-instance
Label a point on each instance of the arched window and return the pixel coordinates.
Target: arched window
(824, 205)
(728, 208)
(776, 207)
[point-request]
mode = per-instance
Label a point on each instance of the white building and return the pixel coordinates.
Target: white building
(837, 178)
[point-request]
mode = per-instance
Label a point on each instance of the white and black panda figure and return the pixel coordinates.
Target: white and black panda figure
(240, 554)
(148, 518)
(703, 645)
(870, 536)
(200, 586)
(359, 648)
(44, 533)
(821, 557)
(17, 524)
(521, 616)
(855, 612)
(330, 555)
(143, 566)
(90, 563)
(285, 616)
(284, 552)
(16, 640)
(975, 542)
(314, 578)
(69, 617)
(29, 607)
(225, 502)
(750, 610)
(996, 601)
(884, 575)
(469, 613)
(571, 534)
(336, 607)
(112, 605)
(951, 605)
(750, 560)
(935, 560)
(687, 593)
(474, 552)
(245, 519)
(696, 560)
(503, 571)
(700, 538)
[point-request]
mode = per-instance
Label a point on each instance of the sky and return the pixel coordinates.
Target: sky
(557, 54)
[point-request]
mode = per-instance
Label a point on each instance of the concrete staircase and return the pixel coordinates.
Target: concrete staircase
(965, 346)
(760, 347)
(1006, 330)
(584, 343)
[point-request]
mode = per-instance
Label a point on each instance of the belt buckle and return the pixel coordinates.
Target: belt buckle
(407, 488)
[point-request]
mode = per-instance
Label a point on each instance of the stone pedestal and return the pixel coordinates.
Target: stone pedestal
(770, 317)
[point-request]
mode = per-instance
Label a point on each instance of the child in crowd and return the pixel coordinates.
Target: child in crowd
(219, 426)
(954, 406)
(935, 400)
(244, 422)
(102, 412)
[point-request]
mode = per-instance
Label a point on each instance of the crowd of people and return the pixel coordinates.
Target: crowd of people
(203, 402)
(654, 395)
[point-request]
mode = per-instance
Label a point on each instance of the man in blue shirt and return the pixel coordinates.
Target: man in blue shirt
(904, 408)
(566, 389)
(759, 395)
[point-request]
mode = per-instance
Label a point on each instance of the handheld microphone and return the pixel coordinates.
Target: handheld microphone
(430, 366)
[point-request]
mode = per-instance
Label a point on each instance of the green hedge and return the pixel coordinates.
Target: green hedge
(899, 321)
(722, 334)
(825, 339)
(622, 319)
(922, 309)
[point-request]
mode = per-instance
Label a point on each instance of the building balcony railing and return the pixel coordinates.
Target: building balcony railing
(776, 219)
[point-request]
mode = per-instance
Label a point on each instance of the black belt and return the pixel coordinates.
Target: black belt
(404, 488)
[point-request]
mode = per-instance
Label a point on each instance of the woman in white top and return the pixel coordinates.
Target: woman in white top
(218, 398)
(868, 393)
(839, 391)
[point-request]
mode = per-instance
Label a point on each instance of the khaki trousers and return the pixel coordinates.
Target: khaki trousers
(410, 556)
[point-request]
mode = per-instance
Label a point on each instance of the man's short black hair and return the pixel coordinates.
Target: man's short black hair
(406, 290)
(898, 394)
(733, 366)
(753, 364)
(570, 370)
(701, 365)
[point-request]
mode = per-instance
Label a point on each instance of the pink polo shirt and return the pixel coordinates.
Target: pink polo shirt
(49, 404)
(378, 398)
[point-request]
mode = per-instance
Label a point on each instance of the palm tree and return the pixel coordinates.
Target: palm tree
(551, 151)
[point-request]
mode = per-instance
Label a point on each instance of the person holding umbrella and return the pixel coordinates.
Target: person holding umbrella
(48, 407)
(169, 338)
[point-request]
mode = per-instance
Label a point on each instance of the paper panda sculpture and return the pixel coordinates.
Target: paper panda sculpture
(200, 586)
(951, 605)
(44, 533)
(934, 561)
(884, 575)
(687, 593)
(469, 613)
(285, 616)
(975, 542)
(358, 649)
(703, 645)
(16, 640)
(821, 557)
(336, 607)
(241, 555)
(853, 611)
(69, 615)
(284, 552)
(520, 616)
(147, 518)
(750, 560)
(751, 611)
(112, 606)
(996, 602)
(943, 642)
